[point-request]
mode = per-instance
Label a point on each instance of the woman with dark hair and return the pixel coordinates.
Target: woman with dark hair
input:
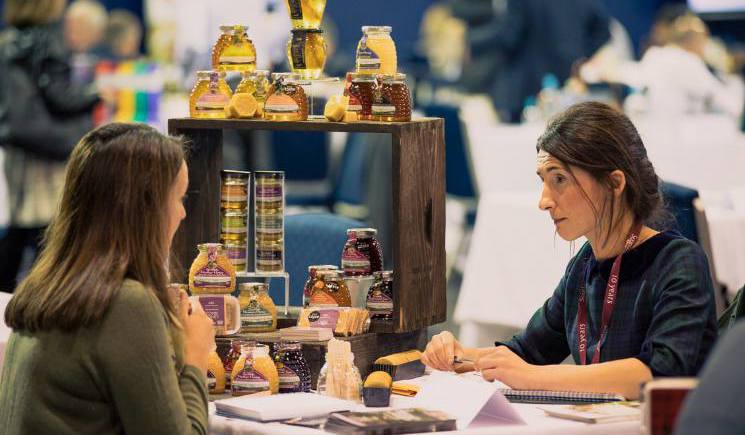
(99, 345)
(622, 324)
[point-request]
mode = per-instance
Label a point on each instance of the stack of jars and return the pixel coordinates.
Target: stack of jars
(377, 92)
(234, 216)
(306, 48)
(233, 51)
(269, 201)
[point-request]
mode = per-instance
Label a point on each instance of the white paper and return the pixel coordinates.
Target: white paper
(471, 400)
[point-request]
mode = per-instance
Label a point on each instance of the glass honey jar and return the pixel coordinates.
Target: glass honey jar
(255, 83)
(306, 14)
(238, 53)
(209, 96)
(306, 52)
(376, 51)
(286, 100)
(226, 34)
(392, 100)
(362, 90)
(330, 290)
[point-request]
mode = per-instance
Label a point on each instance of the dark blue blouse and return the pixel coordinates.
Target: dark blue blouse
(664, 313)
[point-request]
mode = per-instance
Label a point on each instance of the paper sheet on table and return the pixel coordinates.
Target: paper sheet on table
(471, 400)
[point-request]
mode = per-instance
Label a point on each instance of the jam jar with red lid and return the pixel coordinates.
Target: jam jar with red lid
(362, 254)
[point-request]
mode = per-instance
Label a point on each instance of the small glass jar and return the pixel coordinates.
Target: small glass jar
(330, 290)
(376, 51)
(306, 52)
(237, 254)
(392, 102)
(354, 106)
(230, 359)
(292, 367)
(234, 225)
(209, 96)
(255, 83)
(258, 312)
(211, 271)
(239, 53)
(380, 296)
(362, 90)
(306, 14)
(286, 100)
(362, 254)
(312, 278)
(254, 372)
(234, 190)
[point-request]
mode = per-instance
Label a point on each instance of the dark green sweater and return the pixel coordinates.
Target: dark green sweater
(122, 376)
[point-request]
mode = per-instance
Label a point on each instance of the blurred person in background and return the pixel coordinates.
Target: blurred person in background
(528, 41)
(123, 35)
(42, 115)
(84, 26)
(678, 80)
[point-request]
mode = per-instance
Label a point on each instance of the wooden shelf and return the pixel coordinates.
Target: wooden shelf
(418, 194)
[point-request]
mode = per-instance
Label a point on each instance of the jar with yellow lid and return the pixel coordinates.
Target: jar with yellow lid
(392, 99)
(211, 271)
(376, 51)
(306, 14)
(238, 53)
(255, 83)
(306, 52)
(258, 312)
(254, 372)
(209, 96)
(286, 100)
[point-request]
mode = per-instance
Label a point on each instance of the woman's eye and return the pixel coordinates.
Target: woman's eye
(558, 179)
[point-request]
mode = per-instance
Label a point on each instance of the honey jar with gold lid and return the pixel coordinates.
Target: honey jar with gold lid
(209, 96)
(236, 53)
(286, 100)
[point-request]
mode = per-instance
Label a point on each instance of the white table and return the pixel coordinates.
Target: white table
(536, 423)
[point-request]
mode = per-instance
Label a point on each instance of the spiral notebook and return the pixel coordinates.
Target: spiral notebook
(558, 397)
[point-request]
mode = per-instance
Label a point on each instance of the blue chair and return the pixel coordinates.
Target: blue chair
(311, 238)
(348, 193)
(304, 156)
(679, 200)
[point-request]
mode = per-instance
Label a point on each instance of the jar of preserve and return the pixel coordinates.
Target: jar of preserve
(392, 100)
(362, 90)
(380, 296)
(312, 278)
(376, 51)
(254, 372)
(258, 312)
(238, 53)
(233, 226)
(234, 190)
(306, 14)
(306, 52)
(231, 358)
(362, 254)
(211, 271)
(255, 83)
(237, 255)
(226, 34)
(330, 290)
(286, 100)
(293, 369)
(209, 96)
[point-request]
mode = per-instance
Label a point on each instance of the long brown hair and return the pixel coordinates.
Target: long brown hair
(111, 225)
(599, 139)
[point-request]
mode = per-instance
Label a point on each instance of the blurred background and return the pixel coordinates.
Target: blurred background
(496, 71)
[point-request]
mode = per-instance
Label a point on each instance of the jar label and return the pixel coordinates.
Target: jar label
(297, 51)
(289, 381)
(379, 303)
(267, 223)
(323, 318)
(237, 60)
(269, 192)
(254, 316)
(249, 381)
(214, 307)
(268, 254)
(211, 102)
(281, 103)
(355, 262)
(354, 107)
(383, 109)
(367, 59)
(212, 276)
(236, 254)
(296, 10)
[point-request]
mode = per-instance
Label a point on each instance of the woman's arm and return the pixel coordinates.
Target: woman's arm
(624, 376)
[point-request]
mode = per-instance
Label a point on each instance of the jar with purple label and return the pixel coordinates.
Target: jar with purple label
(293, 369)
(362, 254)
(380, 296)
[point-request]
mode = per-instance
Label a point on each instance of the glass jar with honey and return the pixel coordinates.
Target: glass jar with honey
(286, 100)
(226, 34)
(312, 278)
(238, 52)
(258, 312)
(363, 89)
(209, 96)
(306, 14)
(330, 290)
(255, 83)
(306, 52)
(392, 100)
(234, 190)
(376, 51)
(211, 271)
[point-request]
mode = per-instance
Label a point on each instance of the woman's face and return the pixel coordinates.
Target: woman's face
(562, 197)
(175, 211)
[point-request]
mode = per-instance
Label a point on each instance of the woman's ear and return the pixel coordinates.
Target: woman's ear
(618, 182)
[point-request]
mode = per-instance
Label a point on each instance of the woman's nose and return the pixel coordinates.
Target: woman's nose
(545, 202)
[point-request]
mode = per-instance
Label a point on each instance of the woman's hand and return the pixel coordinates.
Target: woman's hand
(199, 333)
(441, 351)
(504, 365)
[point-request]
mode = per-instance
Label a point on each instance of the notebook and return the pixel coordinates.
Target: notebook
(558, 397)
(281, 406)
(597, 412)
(395, 421)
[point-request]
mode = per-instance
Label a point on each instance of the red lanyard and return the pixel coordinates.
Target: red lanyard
(609, 303)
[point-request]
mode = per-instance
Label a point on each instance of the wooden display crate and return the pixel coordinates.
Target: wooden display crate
(418, 193)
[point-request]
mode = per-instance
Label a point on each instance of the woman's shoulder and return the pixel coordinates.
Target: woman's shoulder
(133, 295)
